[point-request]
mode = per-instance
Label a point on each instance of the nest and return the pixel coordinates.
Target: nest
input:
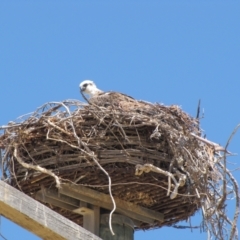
(153, 154)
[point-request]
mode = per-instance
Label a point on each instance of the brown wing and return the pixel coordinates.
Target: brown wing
(120, 101)
(111, 99)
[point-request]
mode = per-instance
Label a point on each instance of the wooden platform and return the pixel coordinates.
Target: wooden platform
(37, 218)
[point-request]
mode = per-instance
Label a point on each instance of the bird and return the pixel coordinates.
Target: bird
(89, 87)
(104, 99)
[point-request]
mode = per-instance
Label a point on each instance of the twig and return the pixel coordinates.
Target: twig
(198, 109)
(225, 165)
(149, 167)
(214, 145)
(236, 214)
(36, 168)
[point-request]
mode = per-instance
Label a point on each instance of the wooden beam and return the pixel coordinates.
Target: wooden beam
(55, 202)
(51, 196)
(55, 195)
(37, 218)
(83, 209)
(91, 214)
(103, 200)
(91, 217)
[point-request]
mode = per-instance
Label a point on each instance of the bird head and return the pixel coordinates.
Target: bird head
(89, 87)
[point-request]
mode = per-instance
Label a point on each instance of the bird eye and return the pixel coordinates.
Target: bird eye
(85, 85)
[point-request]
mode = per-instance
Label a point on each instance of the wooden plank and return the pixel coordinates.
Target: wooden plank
(71, 204)
(96, 220)
(91, 217)
(55, 202)
(98, 202)
(52, 193)
(37, 218)
(103, 200)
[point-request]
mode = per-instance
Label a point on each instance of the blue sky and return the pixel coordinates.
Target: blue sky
(172, 52)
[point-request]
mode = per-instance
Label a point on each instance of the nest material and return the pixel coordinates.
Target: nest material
(154, 155)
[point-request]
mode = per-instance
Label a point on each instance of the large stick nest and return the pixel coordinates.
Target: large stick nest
(154, 155)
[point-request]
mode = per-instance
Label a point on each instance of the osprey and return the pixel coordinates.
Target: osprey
(105, 99)
(90, 88)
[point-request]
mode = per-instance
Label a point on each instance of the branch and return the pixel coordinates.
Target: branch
(36, 168)
(214, 145)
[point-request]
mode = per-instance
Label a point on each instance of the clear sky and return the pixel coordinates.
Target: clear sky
(172, 52)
